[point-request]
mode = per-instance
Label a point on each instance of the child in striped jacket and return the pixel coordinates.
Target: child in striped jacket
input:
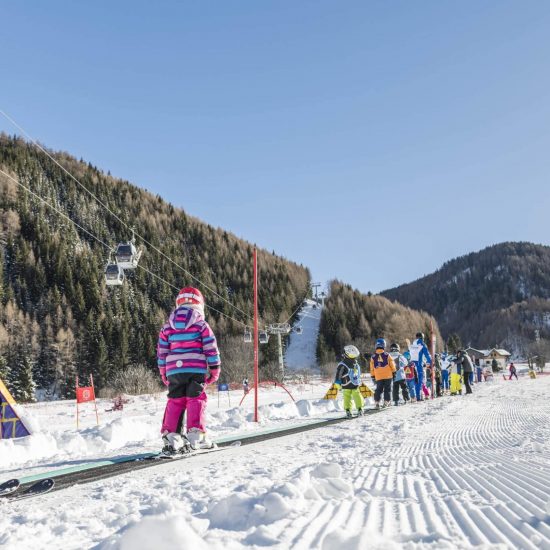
(188, 360)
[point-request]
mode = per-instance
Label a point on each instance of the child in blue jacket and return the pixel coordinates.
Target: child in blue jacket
(399, 380)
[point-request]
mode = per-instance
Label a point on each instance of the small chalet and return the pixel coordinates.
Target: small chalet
(486, 356)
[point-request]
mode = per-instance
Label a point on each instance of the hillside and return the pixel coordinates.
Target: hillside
(497, 296)
(58, 318)
(352, 317)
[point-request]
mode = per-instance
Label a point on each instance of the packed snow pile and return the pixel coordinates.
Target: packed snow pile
(455, 472)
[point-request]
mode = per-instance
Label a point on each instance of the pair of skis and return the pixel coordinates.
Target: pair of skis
(193, 452)
(11, 489)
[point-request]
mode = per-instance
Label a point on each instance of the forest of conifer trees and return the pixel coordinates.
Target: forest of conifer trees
(350, 317)
(57, 317)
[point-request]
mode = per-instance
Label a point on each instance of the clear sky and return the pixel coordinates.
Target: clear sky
(368, 140)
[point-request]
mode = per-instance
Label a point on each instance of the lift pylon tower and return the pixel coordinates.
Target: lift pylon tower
(279, 329)
(316, 287)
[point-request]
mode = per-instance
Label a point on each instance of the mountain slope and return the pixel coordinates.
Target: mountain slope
(58, 319)
(497, 296)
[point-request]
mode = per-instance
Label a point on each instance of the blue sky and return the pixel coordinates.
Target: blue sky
(369, 140)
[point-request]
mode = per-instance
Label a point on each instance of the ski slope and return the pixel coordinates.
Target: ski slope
(457, 472)
(301, 351)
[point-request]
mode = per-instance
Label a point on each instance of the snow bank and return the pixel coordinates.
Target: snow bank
(55, 441)
(156, 532)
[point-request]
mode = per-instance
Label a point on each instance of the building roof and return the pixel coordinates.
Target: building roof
(487, 352)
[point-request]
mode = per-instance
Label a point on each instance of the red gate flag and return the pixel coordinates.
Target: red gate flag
(83, 395)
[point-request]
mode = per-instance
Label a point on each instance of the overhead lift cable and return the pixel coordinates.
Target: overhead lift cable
(110, 248)
(145, 241)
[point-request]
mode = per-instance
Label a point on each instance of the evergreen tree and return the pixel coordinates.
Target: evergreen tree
(454, 343)
(22, 381)
(4, 371)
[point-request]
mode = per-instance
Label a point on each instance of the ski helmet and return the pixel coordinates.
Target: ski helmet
(351, 352)
(407, 355)
(395, 347)
(380, 343)
(420, 335)
(191, 297)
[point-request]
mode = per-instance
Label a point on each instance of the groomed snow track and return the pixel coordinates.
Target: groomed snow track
(87, 473)
(472, 477)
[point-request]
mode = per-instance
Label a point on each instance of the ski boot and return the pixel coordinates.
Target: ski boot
(395, 403)
(348, 414)
(359, 412)
(377, 405)
(199, 440)
(386, 404)
(174, 444)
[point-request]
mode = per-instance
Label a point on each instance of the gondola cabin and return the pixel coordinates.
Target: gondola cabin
(298, 330)
(127, 256)
(263, 337)
(247, 336)
(114, 274)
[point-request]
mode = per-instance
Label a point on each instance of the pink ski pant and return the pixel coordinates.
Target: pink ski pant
(176, 407)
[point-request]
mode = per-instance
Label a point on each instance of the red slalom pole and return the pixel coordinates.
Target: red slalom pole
(432, 336)
(256, 376)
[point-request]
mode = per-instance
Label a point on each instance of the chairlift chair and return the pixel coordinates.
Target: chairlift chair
(263, 337)
(114, 274)
(247, 336)
(127, 256)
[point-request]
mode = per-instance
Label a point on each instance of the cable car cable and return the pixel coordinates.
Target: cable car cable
(111, 249)
(115, 215)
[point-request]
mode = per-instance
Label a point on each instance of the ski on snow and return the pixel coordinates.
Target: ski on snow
(11, 489)
(191, 453)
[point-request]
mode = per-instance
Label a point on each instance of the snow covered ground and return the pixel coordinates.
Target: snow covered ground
(56, 441)
(458, 472)
(301, 351)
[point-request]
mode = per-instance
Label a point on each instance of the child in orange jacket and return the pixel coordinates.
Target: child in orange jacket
(382, 370)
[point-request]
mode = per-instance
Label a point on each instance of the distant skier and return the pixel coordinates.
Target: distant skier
(467, 368)
(382, 369)
(456, 377)
(438, 375)
(246, 387)
(348, 379)
(188, 361)
(410, 376)
(479, 370)
(421, 356)
(513, 371)
(445, 366)
(399, 380)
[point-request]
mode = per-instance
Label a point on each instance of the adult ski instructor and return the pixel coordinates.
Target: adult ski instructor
(420, 356)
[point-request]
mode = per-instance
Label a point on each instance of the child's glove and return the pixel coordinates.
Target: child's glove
(165, 380)
(214, 375)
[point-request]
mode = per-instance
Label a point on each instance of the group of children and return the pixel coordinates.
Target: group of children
(407, 374)
(189, 360)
